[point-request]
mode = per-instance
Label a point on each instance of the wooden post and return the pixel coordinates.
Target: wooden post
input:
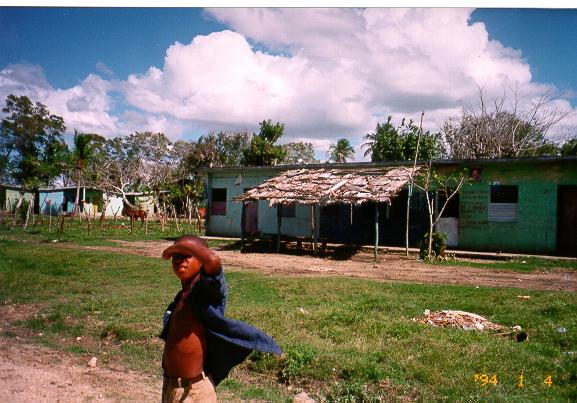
(376, 228)
(409, 194)
(242, 225)
(278, 225)
(314, 229)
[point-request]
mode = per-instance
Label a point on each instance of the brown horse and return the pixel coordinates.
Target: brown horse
(134, 214)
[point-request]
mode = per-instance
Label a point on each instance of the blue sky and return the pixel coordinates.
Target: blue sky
(325, 73)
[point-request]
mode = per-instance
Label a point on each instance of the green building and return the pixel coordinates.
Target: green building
(518, 205)
(524, 205)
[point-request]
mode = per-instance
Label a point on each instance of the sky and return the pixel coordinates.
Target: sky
(325, 73)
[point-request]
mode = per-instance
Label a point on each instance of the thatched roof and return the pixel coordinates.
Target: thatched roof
(328, 186)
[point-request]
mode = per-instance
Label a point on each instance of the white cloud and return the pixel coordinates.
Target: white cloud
(330, 73)
(85, 107)
(325, 73)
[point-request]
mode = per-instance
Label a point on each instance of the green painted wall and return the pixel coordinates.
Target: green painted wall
(535, 229)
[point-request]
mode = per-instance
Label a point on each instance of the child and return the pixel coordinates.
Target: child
(201, 345)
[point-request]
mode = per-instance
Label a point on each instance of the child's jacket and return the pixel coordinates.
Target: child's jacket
(229, 341)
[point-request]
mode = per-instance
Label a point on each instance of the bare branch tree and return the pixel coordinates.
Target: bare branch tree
(510, 125)
(449, 184)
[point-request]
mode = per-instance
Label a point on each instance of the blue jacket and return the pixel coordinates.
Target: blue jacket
(229, 341)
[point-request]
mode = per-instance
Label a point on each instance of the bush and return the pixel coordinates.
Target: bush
(23, 209)
(438, 246)
(294, 362)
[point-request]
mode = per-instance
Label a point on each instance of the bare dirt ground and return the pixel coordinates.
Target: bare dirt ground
(34, 373)
(37, 374)
(390, 267)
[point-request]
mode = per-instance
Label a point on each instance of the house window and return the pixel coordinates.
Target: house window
(288, 210)
(218, 201)
(503, 204)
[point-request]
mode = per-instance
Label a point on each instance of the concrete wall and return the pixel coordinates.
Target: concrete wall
(114, 206)
(51, 203)
(535, 229)
(229, 224)
(9, 198)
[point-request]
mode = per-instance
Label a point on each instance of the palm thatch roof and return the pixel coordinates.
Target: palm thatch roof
(328, 186)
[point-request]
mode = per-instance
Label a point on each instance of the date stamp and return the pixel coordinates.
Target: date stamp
(492, 380)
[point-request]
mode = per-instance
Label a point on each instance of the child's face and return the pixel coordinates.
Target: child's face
(185, 267)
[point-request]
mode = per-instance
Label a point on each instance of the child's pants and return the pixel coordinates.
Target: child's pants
(199, 389)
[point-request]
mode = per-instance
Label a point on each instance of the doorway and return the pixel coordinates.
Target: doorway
(251, 217)
(567, 220)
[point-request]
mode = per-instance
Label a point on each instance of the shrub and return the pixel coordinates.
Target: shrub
(295, 360)
(438, 246)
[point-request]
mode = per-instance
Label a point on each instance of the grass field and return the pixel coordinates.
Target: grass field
(344, 339)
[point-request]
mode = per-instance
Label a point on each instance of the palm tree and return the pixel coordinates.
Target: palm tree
(341, 151)
(375, 140)
(81, 152)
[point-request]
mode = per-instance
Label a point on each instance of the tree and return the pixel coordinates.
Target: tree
(299, 153)
(498, 128)
(341, 151)
(569, 148)
(390, 143)
(230, 148)
(262, 150)
(82, 151)
(384, 143)
(147, 146)
(446, 183)
(33, 148)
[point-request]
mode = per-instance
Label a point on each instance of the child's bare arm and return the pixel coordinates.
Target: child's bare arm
(209, 260)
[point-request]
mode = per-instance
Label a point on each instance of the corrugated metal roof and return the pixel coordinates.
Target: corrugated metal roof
(328, 186)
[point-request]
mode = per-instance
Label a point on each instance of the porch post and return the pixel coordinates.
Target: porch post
(314, 228)
(242, 225)
(376, 229)
(278, 225)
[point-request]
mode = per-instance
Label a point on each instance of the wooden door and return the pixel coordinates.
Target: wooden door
(251, 218)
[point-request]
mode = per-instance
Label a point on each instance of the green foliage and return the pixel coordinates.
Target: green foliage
(149, 146)
(262, 150)
(569, 147)
(350, 392)
(388, 143)
(341, 151)
(33, 147)
(217, 149)
(438, 245)
(23, 209)
(295, 360)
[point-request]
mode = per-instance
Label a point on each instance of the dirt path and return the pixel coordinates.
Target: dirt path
(391, 267)
(30, 373)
